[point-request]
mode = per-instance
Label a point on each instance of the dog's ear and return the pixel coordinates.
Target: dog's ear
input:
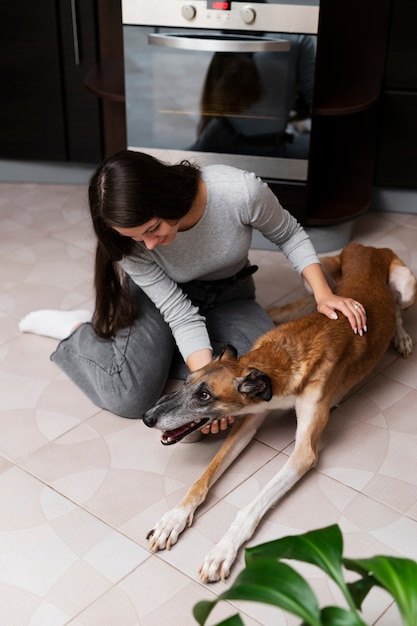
(227, 352)
(257, 384)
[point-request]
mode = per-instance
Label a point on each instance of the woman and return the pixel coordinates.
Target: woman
(172, 278)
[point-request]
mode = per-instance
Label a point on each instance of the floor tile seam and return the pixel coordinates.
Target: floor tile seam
(210, 586)
(12, 462)
(112, 587)
(87, 510)
(378, 371)
(390, 217)
(209, 503)
(391, 379)
(378, 428)
(346, 485)
(387, 608)
(91, 604)
(403, 514)
(21, 459)
(380, 240)
(358, 491)
(243, 613)
(115, 584)
(286, 450)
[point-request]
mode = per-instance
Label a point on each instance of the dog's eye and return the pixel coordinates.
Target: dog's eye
(204, 395)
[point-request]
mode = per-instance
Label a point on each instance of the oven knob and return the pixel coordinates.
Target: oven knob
(188, 11)
(248, 15)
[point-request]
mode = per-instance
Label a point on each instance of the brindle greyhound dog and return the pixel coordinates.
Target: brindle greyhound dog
(309, 364)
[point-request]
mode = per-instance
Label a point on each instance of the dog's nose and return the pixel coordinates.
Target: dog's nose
(148, 419)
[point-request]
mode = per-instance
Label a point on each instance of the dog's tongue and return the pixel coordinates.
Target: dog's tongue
(173, 436)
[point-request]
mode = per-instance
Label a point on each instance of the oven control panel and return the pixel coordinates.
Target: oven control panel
(224, 14)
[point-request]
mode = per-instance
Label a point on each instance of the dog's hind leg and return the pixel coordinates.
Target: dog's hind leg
(403, 285)
(401, 340)
(292, 310)
(312, 416)
(170, 526)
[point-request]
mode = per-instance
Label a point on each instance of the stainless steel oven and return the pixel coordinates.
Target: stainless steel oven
(219, 81)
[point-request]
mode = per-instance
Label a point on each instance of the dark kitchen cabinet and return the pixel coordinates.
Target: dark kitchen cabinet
(46, 49)
(397, 150)
(350, 65)
(352, 42)
(349, 81)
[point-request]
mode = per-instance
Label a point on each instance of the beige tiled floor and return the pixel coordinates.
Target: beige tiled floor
(80, 487)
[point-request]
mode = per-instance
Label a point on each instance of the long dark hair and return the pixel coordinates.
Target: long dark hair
(127, 190)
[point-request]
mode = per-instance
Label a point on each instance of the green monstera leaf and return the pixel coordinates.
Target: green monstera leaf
(397, 576)
(266, 579)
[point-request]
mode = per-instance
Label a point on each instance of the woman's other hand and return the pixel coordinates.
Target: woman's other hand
(214, 427)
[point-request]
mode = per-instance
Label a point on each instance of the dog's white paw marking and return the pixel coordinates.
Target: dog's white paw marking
(168, 529)
(218, 563)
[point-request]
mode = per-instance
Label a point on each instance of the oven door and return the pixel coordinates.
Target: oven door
(220, 97)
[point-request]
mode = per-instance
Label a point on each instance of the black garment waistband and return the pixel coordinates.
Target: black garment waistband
(204, 293)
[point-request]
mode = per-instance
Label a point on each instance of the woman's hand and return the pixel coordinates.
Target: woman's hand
(353, 310)
(221, 424)
(328, 303)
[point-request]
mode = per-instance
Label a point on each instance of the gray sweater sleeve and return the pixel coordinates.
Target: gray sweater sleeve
(266, 214)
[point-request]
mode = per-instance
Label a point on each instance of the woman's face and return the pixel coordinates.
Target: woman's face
(156, 232)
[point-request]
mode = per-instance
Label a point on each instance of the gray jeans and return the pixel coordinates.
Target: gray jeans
(128, 373)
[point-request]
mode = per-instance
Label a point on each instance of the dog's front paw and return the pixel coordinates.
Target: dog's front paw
(168, 529)
(218, 563)
(403, 343)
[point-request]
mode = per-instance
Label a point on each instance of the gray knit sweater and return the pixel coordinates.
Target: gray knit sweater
(216, 247)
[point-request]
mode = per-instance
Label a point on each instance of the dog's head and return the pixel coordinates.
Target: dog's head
(223, 387)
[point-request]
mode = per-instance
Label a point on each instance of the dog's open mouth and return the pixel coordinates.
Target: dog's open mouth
(174, 436)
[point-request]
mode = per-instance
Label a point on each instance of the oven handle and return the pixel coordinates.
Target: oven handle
(211, 44)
